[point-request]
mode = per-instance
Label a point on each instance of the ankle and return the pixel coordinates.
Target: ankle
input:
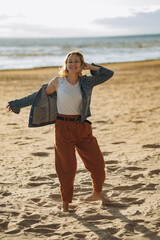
(65, 206)
(96, 193)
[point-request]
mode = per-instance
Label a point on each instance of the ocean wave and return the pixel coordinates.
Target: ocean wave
(29, 53)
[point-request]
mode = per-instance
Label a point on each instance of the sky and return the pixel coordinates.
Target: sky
(78, 18)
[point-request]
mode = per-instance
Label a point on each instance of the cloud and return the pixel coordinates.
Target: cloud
(35, 30)
(142, 22)
(4, 17)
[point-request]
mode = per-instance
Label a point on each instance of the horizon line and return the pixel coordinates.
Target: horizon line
(111, 36)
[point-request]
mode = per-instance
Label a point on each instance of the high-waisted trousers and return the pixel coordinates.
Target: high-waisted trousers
(71, 136)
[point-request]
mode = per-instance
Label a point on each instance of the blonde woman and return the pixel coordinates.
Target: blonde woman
(65, 101)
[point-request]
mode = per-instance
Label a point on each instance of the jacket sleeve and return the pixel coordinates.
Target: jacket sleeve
(17, 104)
(100, 76)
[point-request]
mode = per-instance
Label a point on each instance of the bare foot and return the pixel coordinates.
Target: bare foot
(100, 196)
(65, 207)
(105, 201)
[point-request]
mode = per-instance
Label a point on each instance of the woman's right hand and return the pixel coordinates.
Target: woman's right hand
(88, 66)
(9, 108)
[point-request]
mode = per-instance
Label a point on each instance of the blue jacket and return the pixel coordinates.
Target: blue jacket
(44, 107)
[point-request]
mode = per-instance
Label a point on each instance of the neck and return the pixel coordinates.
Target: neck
(72, 78)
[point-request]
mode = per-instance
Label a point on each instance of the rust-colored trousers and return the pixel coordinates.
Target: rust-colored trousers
(68, 137)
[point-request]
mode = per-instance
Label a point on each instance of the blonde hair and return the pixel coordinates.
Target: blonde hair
(63, 71)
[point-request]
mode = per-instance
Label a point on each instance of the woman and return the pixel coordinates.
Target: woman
(65, 101)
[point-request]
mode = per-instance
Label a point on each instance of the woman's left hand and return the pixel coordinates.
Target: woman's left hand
(88, 66)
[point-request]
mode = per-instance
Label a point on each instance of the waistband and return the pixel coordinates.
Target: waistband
(70, 118)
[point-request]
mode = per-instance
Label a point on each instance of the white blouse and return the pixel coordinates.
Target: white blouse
(69, 97)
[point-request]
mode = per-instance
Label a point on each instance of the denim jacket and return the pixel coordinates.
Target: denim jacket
(44, 107)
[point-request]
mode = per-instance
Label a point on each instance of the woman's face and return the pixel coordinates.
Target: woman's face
(74, 64)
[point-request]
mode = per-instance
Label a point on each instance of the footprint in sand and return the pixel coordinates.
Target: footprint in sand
(13, 231)
(132, 200)
(38, 178)
(125, 199)
(81, 171)
(139, 221)
(150, 187)
(35, 200)
(129, 187)
(40, 154)
(52, 175)
(106, 153)
(112, 230)
(48, 148)
(12, 124)
(137, 122)
(100, 121)
(20, 143)
(6, 193)
(3, 224)
(88, 183)
(118, 142)
(155, 145)
(137, 213)
(2, 205)
(27, 222)
(80, 236)
(36, 184)
(154, 172)
(12, 213)
(49, 226)
(135, 177)
(31, 216)
(133, 168)
(95, 217)
(129, 227)
(44, 229)
(55, 197)
(66, 234)
(112, 162)
(112, 168)
(38, 181)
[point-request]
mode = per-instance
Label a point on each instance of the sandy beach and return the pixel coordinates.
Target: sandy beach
(126, 122)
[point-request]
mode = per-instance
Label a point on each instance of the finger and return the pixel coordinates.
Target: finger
(9, 109)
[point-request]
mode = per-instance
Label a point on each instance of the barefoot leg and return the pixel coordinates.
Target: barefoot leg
(65, 207)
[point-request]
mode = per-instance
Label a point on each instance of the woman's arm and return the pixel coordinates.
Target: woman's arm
(99, 74)
(16, 105)
(52, 86)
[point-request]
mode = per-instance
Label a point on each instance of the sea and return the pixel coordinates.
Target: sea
(27, 53)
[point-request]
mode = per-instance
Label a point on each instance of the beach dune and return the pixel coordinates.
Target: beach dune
(126, 122)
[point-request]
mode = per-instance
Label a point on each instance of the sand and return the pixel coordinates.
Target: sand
(126, 122)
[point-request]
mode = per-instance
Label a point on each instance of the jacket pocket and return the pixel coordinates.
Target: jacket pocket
(40, 115)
